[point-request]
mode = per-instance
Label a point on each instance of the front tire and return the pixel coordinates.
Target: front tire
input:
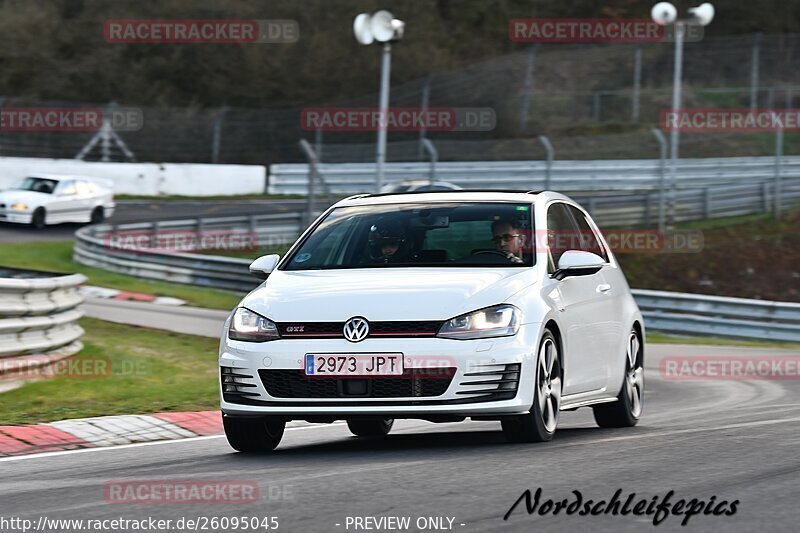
(625, 412)
(370, 428)
(258, 434)
(98, 216)
(38, 218)
(539, 424)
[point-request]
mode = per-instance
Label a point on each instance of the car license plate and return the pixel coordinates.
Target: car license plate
(338, 364)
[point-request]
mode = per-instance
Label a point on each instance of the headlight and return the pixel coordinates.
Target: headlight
(19, 207)
(249, 326)
(497, 321)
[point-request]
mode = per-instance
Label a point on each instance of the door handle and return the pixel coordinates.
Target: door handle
(603, 287)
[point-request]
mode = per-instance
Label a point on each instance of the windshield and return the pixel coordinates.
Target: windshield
(37, 185)
(398, 235)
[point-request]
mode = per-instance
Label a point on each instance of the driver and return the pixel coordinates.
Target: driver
(508, 239)
(387, 241)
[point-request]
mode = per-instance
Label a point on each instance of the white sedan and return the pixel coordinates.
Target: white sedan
(49, 199)
(436, 306)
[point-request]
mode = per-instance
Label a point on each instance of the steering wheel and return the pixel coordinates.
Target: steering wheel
(493, 252)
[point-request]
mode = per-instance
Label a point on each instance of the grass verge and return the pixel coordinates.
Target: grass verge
(656, 337)
(150, 371)
(752, 256)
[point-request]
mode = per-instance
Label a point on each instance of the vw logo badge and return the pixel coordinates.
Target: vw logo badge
(356, 329)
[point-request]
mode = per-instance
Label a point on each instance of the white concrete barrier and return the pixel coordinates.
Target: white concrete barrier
(151, 179)
(40, 314)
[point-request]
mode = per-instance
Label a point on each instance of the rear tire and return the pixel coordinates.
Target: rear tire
(258, 434)
(370, 428)
(539, 424)
(625, 412)
(98, 215)
(38, 218)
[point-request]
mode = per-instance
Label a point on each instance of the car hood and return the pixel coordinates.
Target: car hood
(383, 294)
(27, 197)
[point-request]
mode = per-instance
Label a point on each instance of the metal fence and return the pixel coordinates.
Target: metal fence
(567, 176)
(720, 181)
(552, 89)
(40, 314)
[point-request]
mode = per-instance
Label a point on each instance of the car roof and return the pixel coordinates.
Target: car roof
(424, 182)
(466, 195)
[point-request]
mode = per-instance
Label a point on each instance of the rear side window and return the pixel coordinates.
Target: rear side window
(83, 188)
(588, 240)
(67, 188)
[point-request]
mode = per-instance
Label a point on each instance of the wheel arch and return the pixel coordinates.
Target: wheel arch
(552, 326)
(637, 327)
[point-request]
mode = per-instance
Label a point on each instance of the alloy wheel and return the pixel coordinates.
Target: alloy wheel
(634, 375)
(549, 384)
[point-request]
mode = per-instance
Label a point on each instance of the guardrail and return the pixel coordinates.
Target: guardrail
(94, 248)
(40, 314)
(719, 316)
(566, 176)
(677, 313)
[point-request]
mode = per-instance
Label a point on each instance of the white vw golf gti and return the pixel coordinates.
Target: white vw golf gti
(439, 306)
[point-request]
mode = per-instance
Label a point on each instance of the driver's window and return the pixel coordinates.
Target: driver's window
(561, 230)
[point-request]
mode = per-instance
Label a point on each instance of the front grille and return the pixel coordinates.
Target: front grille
(412, 328)
(418, 382)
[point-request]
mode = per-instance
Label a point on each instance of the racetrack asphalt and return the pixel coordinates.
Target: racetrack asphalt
(734, 440)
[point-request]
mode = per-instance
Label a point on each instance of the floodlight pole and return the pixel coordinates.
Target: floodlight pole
(380, 159)
(680, 28)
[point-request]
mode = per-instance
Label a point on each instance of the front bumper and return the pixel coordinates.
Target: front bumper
(16, 217)
(477, 368)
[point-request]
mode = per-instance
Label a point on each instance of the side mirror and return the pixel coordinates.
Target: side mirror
(578, 263)
(264, 265)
